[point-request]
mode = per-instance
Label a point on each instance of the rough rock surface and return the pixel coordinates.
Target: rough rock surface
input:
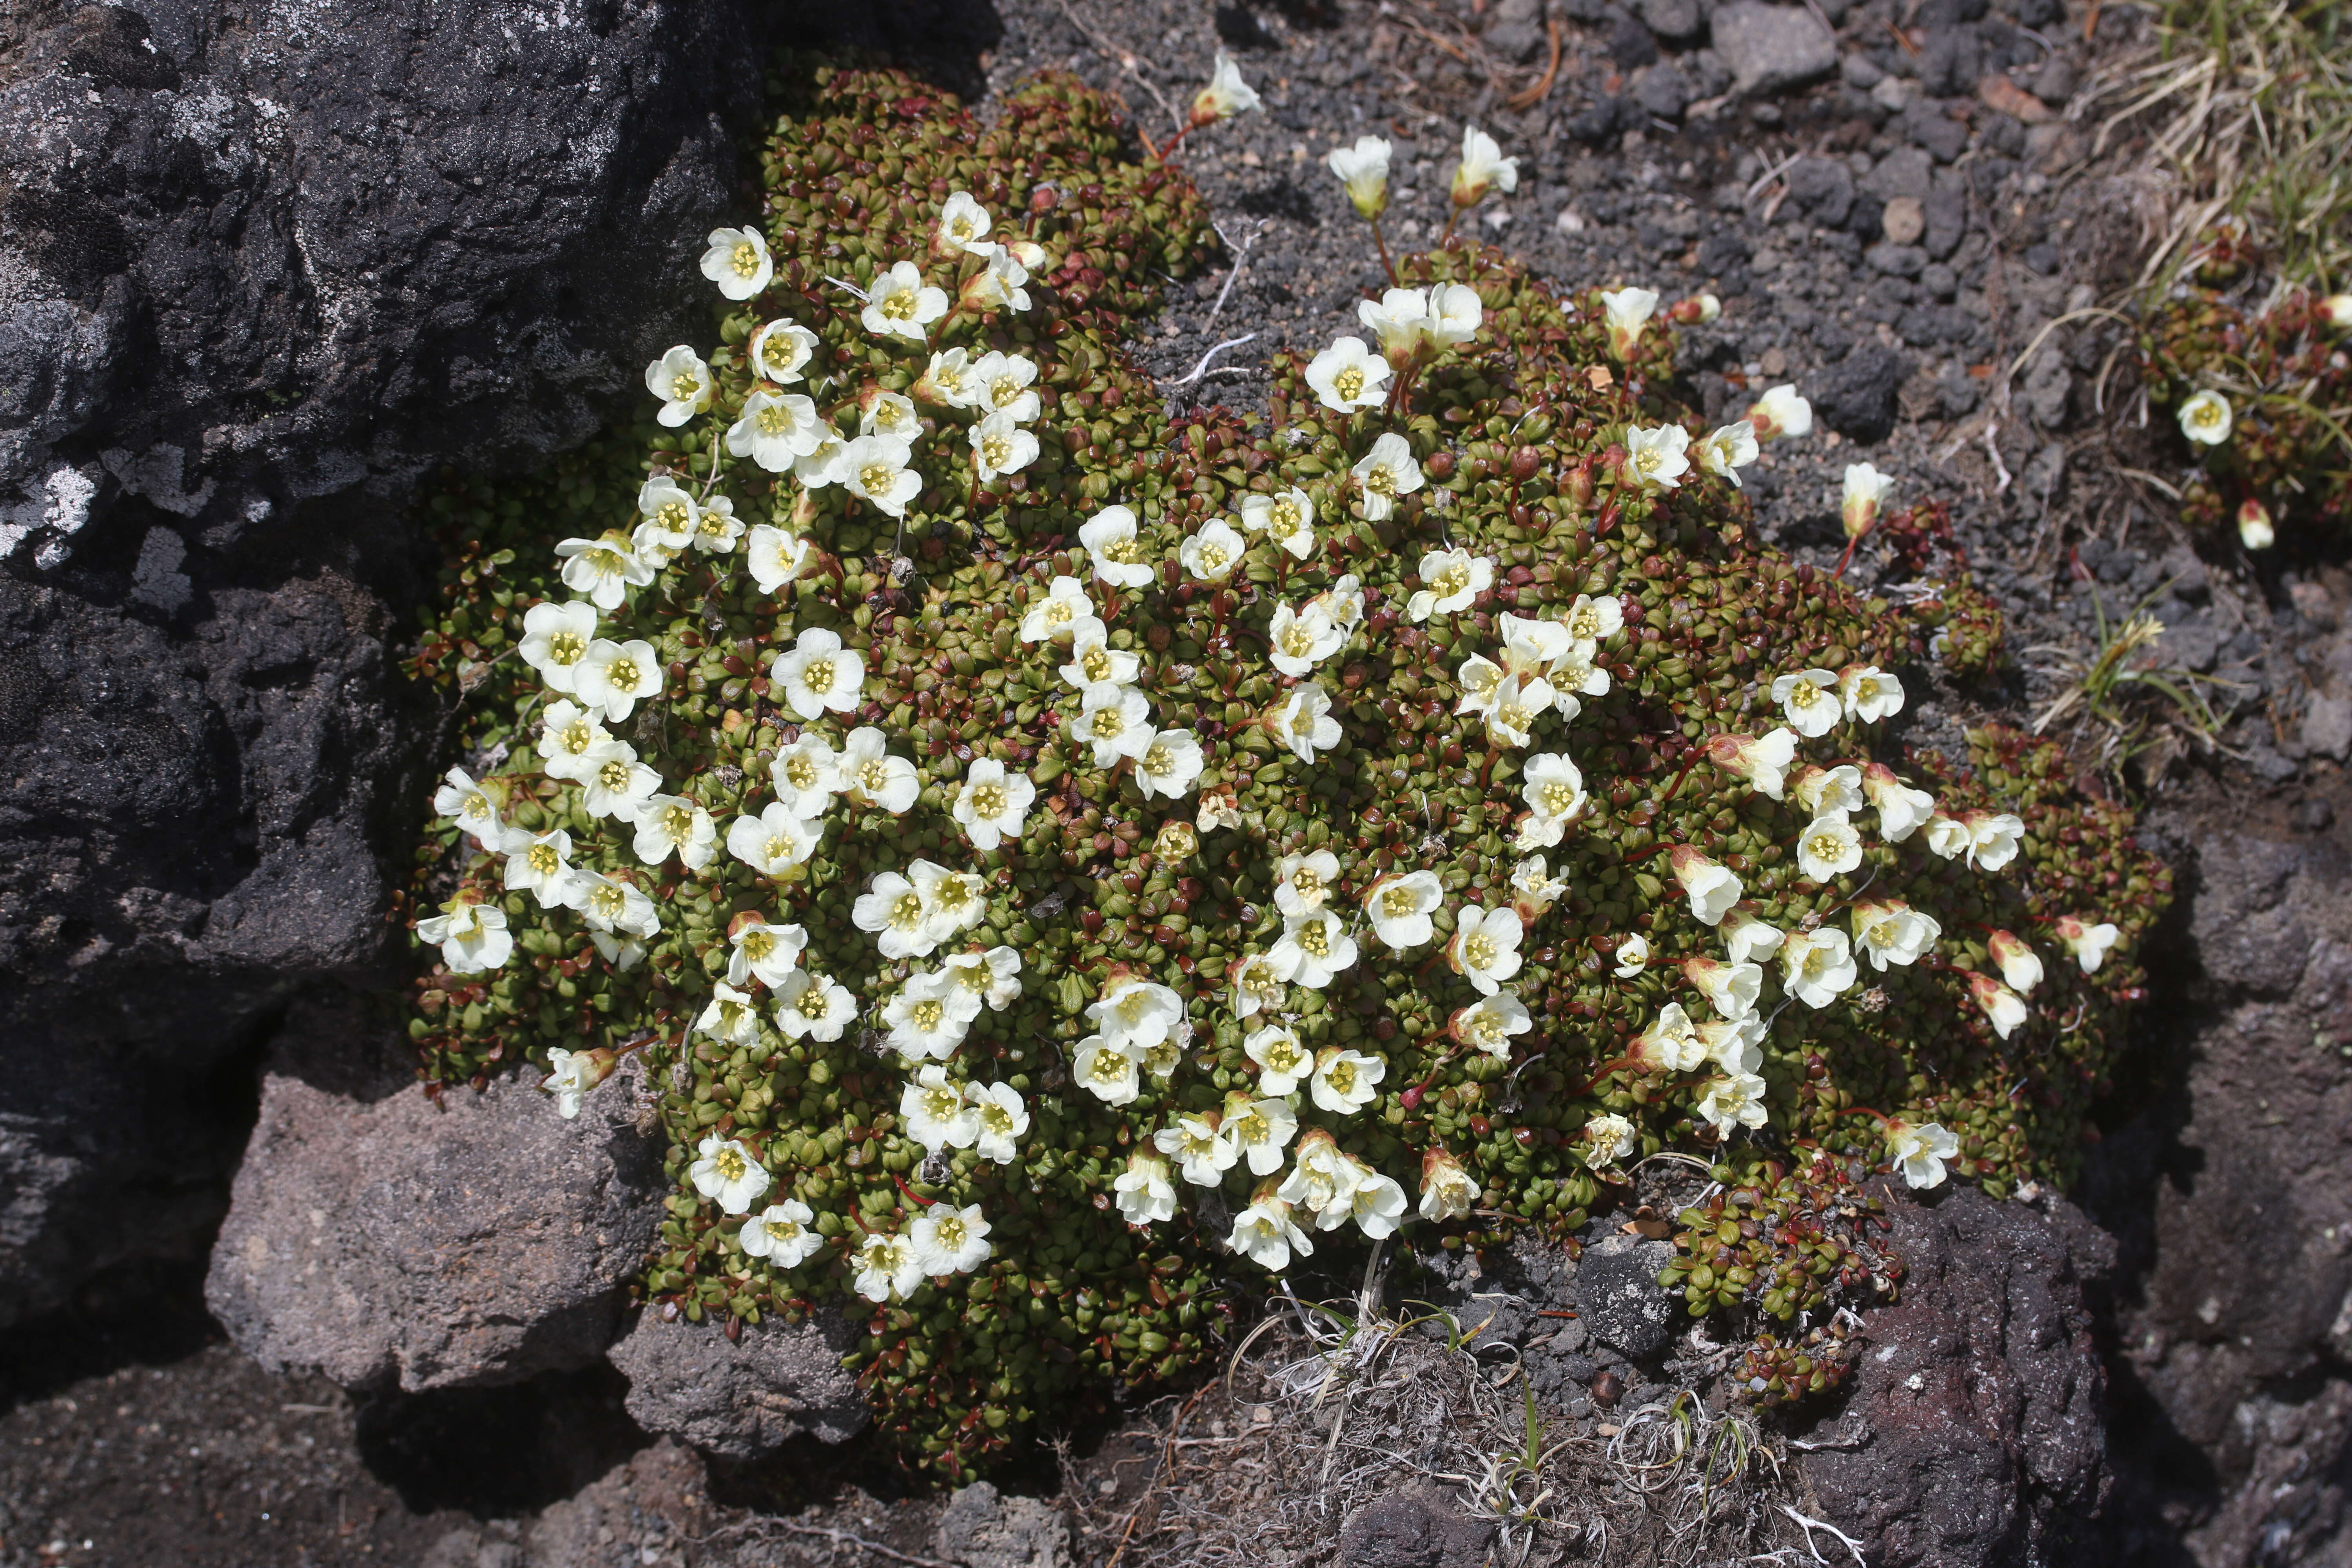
(1972, 1433)
(741, 1398)
(982, 1528)
(389, 1241)
(1768, 48)
(1618, 1293)
(1414, 1529)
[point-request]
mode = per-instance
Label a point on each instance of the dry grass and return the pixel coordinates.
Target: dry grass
(1326, 1408)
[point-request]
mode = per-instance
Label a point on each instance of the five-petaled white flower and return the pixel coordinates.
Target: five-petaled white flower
(1902, 810)
(776, 430)
(900, 304)
(674, 824)
(1400, 320)
(820, 676)
(1732, 1101)
(781, 350)
(1259, 983)
(1828, 847)
(1518, 704)
(1633, 957)
(950, 379)
(1287, 519)
(992, 803)
(2206, 417)
(1400, 906)
(1364, 169)
(955, 900)
(1170, 765)
(1810, 698)
(1920, 1151)
(995, 975)
(729, 1016)
(2002, 1005)
(1554, 791)
(1947, 836)
(950, 1240)
(1608, 1137)
(1892, 931)
(999, 1119)
(718, 528)
(1589, 619)
(893, 911)
(807, 776)
(765, 952)
(1828, 791)
(999, 446)
(932, 1109)
(1143, 1191)
(1455, 313)
(773, 556)
(1283, 1063)
(1303, 723)
(875, 469)
(1116, 720)
(1486, 946)
(2018, 964)
(1119, 556)
(1064, 613)
(1316, 946)
(1747, 939)
(929, 1017)
(1866, 490)
(1001, 284)
(1225, 96)
(609, 904)
(1377, 1203)
(1671, 1043)
(785, 1233)
(1348, 376)
(469, 805)
(1305, 883)
(1993, 837)
(1267, 1234)
(1212, 554)
(815, 1005)
(1731, 989)
(473, 938)
(725, 1171)
(1712, 889)
(1447, 1190)
(737, 261)
(1729, 449)
(1627, 313)
(555, 638)
(1817, 966)
(1386, 472)
(1259, 1127)
(1345, 1079)
(1488, 1024)
(1193, 1143)
(885, 1266)
(1297, 641)
(2088, 943)
(1138, 1013)
(669, 515)
(1106, 1069)
(539, 864)
(613, 782)
(614, 678)
(963, 225)
(1483, 168)
(1322, 1181)
(1450, 579)
(1093, 659)
(1870, 693)
(605, 568)
(1780, 412)
(682, 382)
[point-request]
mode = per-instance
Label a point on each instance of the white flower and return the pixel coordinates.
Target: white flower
(1992, 838)
(929, 1017)
(1192, 1141)
(1364, 169)
(1483, 167)
(539, 864)
(1734, 1044)
(729, 1016)
(815, 1005)
(1316, 946)
(955, 900)
(1589, 619)
(2255, 529)
(1865, 490)
(670, 514)
(999, 447)
(2337, 309)
(717, 529)
(1733, 1101)
(1322, 1181)
(1780, 412)
(555, 638)
(1608, 1137)
(885, 1266)
(768, 954)
(2206, 417)
(1303, 884)
(2019, 965)
(1450, 579)
(776, 430)
(1671, 1044)
(1287, 519)
(1828, 847)
(1107, 1070)
(991, 803)
(999, 1119)
(1747, 939)
(783, 1233)
(826, 465)
(1343, 600)
(894, 912)
(1303, 723)
(1139, 1014)
(1627, 312)
(1283, 1063)
(727, 1172)
(1345, 1079)
(2088, 943)
(1447, 1190)
(1259, 1128)
(1298, 642)
(1399, 318)
(1000, 285)
(1143, 1191)
(964, 224)
(901, 304)
(1225, 96)
(1259, 983)
(820, 676)
(1947, 836)
(1554, 791)
(950, 1240)
(933, 1113)
(468, 804)
(774, 556)
(605, 568)
(473, 938)
(1488, 1024)
(1377, 1203)
(807, 776)
(1212, 554)
(874, 468)
(1518, 704)
(1455, 313)
(1348, 376)
(994, 977)
(1386, 472)
(609, 904)
(1892, 931)
(780, 349)
(1480, 679)
(2001, 1005)
(1119, 558)
(613, 782)
(1169, 764)
(1063, 612)
(1920, 1152)
(682, 382)
(1532, 647)
(1870, 693)
(1729, 449)
(1712, 889)
(1633, 957)
(673, 823)
(739, 262)
(1828, 791)
(614, 678)
(1731, 989)
(1902, 810)
(1810, 699)
(1116, 720)
(1266, 1234)
(1400, 905)
(1817, 966)
(1658, 458)
(1093, 659)
(1486, 946)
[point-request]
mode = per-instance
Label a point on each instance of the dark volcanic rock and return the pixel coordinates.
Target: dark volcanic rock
(1974, 1423)
(1618, 1293)
(1858, 398)
(1414, 1529)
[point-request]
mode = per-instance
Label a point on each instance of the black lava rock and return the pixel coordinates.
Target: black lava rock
(1857, 398)
(1620, 1299)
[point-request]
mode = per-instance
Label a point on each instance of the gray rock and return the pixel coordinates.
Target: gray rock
(1903, 220)
(1618, 1294)
(982, 1528)
(1906, 172)
(1417, 1527)
(1676, 19)
(1662, 90)
(2048, 384)
(2250, 934)
(2054, 84)
(1899, 260)
(2327, 727)
(1858, 69)
(1948, 220)
(389, 1241)
(1770, 48)
(1858, 397)
(741, 1398)
(1926, 123)
(1823, 189)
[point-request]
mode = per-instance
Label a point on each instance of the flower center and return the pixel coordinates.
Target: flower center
(714, 525)
(672, 516)
(1452, 580)
(961, 229)
(1297, 641)
(1284, 517)
(994, 1117)
(1253, 1127)
(940, 1103)
(1110, 1067)
(1096, 662)
(780, 848)
(987, 800)
(1515, 716)
(783, 1230)
(566, 648)
(1648, 461)
(1585, 623)
(872, 775)
(952, 1233)
(818, 676)
(1058, 611)
(809, 1003)
(1380, 482)
(1478, 953)
(774, 421)
(1108, 723)
(1825, 846)
(907, 912)
(609, 902)
(876, 478)
(1315, 941)
(685, 386)
(746, 259)
(900, 305)
(1558, 799)
(800, 772)
(1125, 552)
(1341, 1076)
(729, 1163)
(613, 775)
(1158, 763)
(1282, 1055)
(1347, 383)
(678, 823)
(576, 737)
(621, 674)
(2206, 414)
(1005, 392)
(1804, 694)
(757, 945)
(952, 894)
(995, 450)
(543, 861)
(1484, 1028)
(1398, 902)
(1212, 559)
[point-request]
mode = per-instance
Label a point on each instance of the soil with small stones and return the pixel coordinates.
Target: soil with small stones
(1921, 241)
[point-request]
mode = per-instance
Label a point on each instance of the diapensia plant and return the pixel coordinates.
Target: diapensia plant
(1061, 862)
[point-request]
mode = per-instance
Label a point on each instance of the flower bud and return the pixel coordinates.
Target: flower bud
(2254, 528)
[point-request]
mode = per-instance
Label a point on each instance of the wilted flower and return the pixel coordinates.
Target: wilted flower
(1810, 700)
(725, 1171)
(1483, 168)
(1225, 96)
(1712, 889)
(2001, 1005)
(739, 262)
(472, 936)
(1817, 966)
(1364, 169)
(1780, 412)
(1486, 946)
(1919, 1151)
(1450, 579)
(682, 382)
(1447, 1190)
(1865, 489)
(2018, 964)
(1947, 836)
(2088, 943)
(900, 304)
(1488, 1024)
(1400, 906)
(1627, 312)
(1386, 472)
(2205, 418)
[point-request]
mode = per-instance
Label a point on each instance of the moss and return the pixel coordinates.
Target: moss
(1521, 432)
